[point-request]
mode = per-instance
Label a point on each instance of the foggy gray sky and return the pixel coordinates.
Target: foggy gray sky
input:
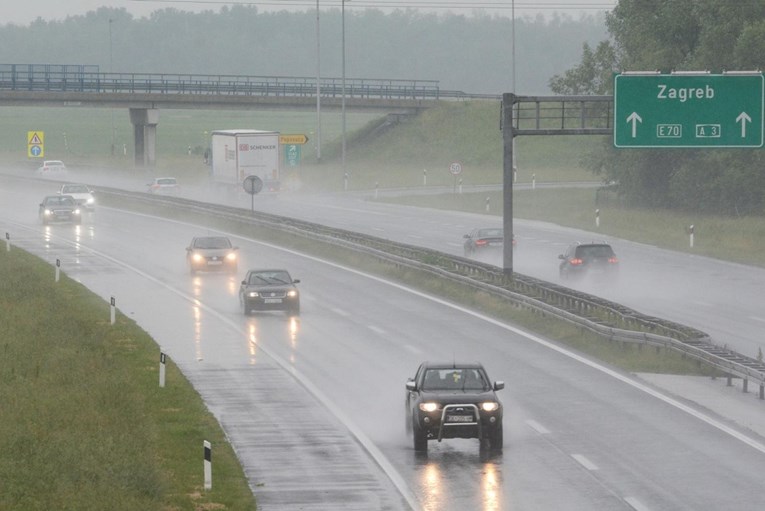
(22, 12)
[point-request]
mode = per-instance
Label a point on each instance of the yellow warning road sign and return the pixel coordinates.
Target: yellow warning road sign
(35, 144)
(293, 139)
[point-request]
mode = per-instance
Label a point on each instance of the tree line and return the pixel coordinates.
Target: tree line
(472, 54)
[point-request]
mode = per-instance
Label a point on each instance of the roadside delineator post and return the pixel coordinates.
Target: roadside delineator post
(113, 310)
(58, 269)
(597, 218)
(377, 187)
(488, 207)
(690, 232)
(534, 181)
(460, 186)
(7, 242)
(208, 465)
(424, 177)
(162, 357)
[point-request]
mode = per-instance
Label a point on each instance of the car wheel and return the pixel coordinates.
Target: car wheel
(419, 438)
(245, 308)
(407, 422)
(495, 440)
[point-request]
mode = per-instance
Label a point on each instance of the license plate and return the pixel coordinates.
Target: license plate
(459, 418)
(214, 263)
(272, 300)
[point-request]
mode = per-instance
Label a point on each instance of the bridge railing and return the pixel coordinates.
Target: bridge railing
(83, 78)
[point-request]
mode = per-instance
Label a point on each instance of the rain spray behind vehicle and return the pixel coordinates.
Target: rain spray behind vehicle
(237, 154)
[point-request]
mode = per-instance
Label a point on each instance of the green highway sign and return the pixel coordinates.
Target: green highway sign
(688, 110)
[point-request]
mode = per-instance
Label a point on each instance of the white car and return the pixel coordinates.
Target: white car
(52, 168)
(81, 193)
(163, 186)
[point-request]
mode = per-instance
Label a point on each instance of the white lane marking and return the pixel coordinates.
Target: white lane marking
(636, 504)
(756, 318)
(414, 236)
(452, 244)
(341, 312)
(376, 329)
(537, 427)
(413, 349)
(380, 229)
(583, 461)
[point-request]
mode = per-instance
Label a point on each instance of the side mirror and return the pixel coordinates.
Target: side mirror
(499, 385)
(296, 281)
(244, 282)
(561, 256)
(411, 385)
(466, 236)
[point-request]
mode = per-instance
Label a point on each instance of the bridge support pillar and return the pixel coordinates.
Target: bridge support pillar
(145, 122)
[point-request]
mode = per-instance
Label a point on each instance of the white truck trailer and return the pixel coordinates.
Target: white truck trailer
(237, 154)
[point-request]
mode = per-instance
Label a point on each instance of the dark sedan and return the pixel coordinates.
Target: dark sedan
(453, 400)
(479, 241)
(60, 208)
(212, 253)
(269, 290)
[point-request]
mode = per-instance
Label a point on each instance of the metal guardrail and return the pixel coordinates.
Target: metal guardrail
(605, 318)
(81, 78)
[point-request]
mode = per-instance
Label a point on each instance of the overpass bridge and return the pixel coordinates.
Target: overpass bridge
(144, 94)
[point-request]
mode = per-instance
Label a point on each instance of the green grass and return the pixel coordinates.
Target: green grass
(85, 424)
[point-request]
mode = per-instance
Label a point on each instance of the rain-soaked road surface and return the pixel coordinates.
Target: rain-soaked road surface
(314, 407)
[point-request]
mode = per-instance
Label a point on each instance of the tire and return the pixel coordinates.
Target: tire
(420, 440)
(407, 422)
(245, 309)
(496, 440)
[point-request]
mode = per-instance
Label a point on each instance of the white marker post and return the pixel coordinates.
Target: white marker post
(460, 187)
(488, 207)
(162, 369)
(690, 232)
(345, 182)
(424, 177)
(377, 187)
(534, 181)
(7, 242)
(208, 465)
(597, 218)
(58, 269)
(113, 310)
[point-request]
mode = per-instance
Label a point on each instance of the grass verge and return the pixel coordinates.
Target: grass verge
(85, 424)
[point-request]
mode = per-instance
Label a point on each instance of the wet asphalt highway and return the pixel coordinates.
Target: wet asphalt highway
(314, 407)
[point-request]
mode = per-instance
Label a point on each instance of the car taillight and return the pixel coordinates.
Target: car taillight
(576, 261)
(613, 260)
(480, 242)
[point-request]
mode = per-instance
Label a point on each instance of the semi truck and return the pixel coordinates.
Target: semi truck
(238, 153)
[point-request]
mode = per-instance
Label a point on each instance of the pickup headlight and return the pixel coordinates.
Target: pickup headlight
(292, 293)
(47, 212)
(252, 294)
(428, 407)
(490, 406)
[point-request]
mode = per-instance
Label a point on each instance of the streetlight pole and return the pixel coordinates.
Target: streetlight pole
(111, 70)
(343, 80)
(318, 87)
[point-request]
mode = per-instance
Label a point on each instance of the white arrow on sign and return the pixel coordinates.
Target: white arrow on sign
(634, 118)
(743, 118)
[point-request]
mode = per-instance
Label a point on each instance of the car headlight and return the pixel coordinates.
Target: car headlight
(292, 293)
(252, 294)
(428, 407)
(197, 258)
(47, 212)
(91, 200)
(76, 211)
(231, 256)
(490, 406)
